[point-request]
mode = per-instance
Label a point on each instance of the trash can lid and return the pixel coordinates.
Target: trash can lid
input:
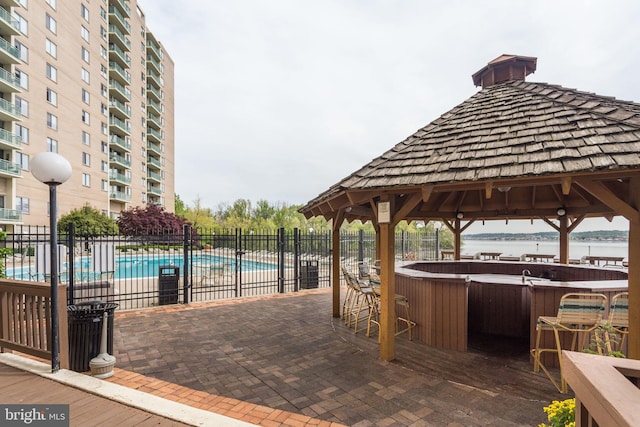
(92, 306)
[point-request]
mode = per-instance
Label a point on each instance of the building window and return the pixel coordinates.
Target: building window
(23, 3)
(86, 180)
(85, 117)
(103, 33)
(23, 24)
(86, 159)
(85, 96)
(22, 132)
(104, 109)
(105, 185)
(103, 89)
(86, 138)
(85, 54)
(85, 75)
(103, 70)
(103, 52)
(104, 166)
(23, 106)
(23, 51)
(105, 128)
(51, 3)
(84, 33)
(104, 147)
(103, 13)
(84, 12)
(52, 121)
(52, 72)
(22, 204)
(51, 48)
(51, 24)
(52, 145)
(52, 97)
(22, 159)
(23, 78)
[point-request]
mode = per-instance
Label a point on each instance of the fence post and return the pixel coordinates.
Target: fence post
(437, 243)
(239, 254)
(72, 275)
(186, 238)
(296, 259)
(281, 260)
(360, 245)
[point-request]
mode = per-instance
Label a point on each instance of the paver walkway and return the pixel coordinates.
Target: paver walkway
(281, 354)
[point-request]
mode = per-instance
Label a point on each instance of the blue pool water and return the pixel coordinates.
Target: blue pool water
(137, 266)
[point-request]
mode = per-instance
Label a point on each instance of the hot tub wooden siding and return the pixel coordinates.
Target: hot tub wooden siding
(447, 301)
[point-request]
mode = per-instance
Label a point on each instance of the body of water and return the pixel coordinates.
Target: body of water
(577, 249)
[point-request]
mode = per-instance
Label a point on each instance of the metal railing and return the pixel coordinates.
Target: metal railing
(212, 264)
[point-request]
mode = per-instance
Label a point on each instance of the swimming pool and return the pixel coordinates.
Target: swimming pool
(146, 265)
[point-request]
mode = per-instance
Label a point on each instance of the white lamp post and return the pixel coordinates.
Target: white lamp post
(52, 169)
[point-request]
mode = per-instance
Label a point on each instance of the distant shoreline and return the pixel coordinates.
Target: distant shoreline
(583, 236)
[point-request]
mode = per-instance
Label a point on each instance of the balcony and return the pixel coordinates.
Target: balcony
(118, 177)
(117, 124)
(8, 82)
(151, 47)
(117, 18)
(10, 170)
(154, 190)
(154, 120)
(10, 215)
(119, 160)
(120, 142)
(153, 93)
(153, 135)
(121, 92)
(115, 52)
(155, 148)
(154, 162)
(119, 196)
(9, 26)
(119, 108)
(124, 8)
(153, 64)
(115, 35)
(154, 107)
(9, 141)
(8, 111)
(116, 72)
(9, 54)
(153, 176)
(154, 77)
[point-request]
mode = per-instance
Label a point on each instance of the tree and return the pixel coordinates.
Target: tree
(152, 220)
(88, 221)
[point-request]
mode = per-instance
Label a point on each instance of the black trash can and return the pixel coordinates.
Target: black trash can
(85, 332)
(168, 277)
(308, 274)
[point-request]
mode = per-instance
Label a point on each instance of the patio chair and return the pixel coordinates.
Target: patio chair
(617, 322)
(578, 314)
(361, 300)
(403, 320)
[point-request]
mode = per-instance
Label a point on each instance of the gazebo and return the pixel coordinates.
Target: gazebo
(514, 150)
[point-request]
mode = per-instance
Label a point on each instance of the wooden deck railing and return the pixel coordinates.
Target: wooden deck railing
(25, 319)
(607, 389)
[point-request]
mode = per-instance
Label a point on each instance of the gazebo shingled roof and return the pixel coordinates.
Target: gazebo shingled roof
(514, 150)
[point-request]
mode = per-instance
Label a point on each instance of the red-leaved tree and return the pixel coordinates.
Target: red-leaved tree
(152, 220)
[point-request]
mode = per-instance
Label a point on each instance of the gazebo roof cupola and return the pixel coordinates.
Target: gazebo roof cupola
(505, 68)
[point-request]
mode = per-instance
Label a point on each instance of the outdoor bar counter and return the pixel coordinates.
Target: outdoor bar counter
(450, 299)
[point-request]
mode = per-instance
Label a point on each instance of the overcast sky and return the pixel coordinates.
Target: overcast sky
(278, 100)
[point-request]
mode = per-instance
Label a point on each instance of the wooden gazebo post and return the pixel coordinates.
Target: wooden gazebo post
(335, 261)
(564, 239)
(387, 279)
(634, 272)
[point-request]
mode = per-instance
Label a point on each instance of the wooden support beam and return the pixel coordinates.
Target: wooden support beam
(407, 207)
(387, 286)
(564, 239)
(566, 185)
(601, 192)
(427, 190)
(634, 273)
(336, 274)
(488, 187)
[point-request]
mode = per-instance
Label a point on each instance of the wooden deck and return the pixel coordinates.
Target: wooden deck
(85, 409)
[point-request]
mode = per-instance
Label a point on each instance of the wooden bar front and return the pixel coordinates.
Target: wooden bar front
(450, 299)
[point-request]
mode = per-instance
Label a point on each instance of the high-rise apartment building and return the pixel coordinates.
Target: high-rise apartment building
(86, 79)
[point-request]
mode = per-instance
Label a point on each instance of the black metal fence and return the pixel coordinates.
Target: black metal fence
(162, 267)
